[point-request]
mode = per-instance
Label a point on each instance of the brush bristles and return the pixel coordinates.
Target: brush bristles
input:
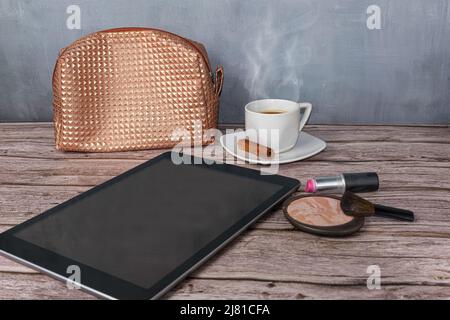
(356, 206)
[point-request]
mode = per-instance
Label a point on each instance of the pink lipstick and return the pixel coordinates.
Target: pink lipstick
(355, 182)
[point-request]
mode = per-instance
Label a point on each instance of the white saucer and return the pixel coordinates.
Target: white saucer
(306, 146)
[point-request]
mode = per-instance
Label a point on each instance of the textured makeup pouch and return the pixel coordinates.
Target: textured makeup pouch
(131, 89)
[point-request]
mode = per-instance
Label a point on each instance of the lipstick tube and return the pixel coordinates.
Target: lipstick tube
(354, 182)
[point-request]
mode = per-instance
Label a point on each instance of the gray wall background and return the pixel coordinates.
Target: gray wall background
(311, 50)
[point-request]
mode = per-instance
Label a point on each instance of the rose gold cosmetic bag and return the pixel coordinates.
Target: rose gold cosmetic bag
(131, 89)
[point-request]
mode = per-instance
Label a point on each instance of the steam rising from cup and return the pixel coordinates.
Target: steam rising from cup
(276, 56)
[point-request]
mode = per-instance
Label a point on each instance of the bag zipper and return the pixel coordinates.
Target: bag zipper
(192, 43)
(188, 41)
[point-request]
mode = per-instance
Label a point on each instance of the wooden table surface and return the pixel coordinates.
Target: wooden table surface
(270, 260)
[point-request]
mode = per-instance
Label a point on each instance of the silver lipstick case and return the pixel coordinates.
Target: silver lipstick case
(331, 183)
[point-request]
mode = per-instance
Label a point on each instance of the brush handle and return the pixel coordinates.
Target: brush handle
(394, 213)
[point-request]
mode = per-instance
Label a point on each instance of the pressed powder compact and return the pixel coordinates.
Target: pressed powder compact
(321, 215)
(333, 216)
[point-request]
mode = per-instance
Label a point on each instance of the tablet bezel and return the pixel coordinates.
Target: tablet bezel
(107, 286)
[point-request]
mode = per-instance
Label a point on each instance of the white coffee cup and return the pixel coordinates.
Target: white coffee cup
(276, 123)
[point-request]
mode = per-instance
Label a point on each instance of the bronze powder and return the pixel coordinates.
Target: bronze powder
(318, 211)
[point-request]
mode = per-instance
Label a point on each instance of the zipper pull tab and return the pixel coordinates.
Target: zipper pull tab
(218, 81)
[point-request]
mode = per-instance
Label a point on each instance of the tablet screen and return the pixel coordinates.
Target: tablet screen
(142, 226)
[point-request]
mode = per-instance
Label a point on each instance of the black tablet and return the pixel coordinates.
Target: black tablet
(138, 234)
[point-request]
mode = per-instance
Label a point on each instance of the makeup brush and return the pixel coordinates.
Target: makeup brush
(356, 206)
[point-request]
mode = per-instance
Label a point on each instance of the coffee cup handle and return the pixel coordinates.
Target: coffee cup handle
(307, 107)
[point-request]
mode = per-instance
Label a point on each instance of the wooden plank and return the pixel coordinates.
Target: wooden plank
(271, 260)
(430, 206)
(404, 257)
(9, 266)
(401, 134)
(336, 151)
(271, 255)
(38, 141)
(242, 289)
(35, 285)
(30, 286)
(89, 172)
(428, 133)
(289, 255)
